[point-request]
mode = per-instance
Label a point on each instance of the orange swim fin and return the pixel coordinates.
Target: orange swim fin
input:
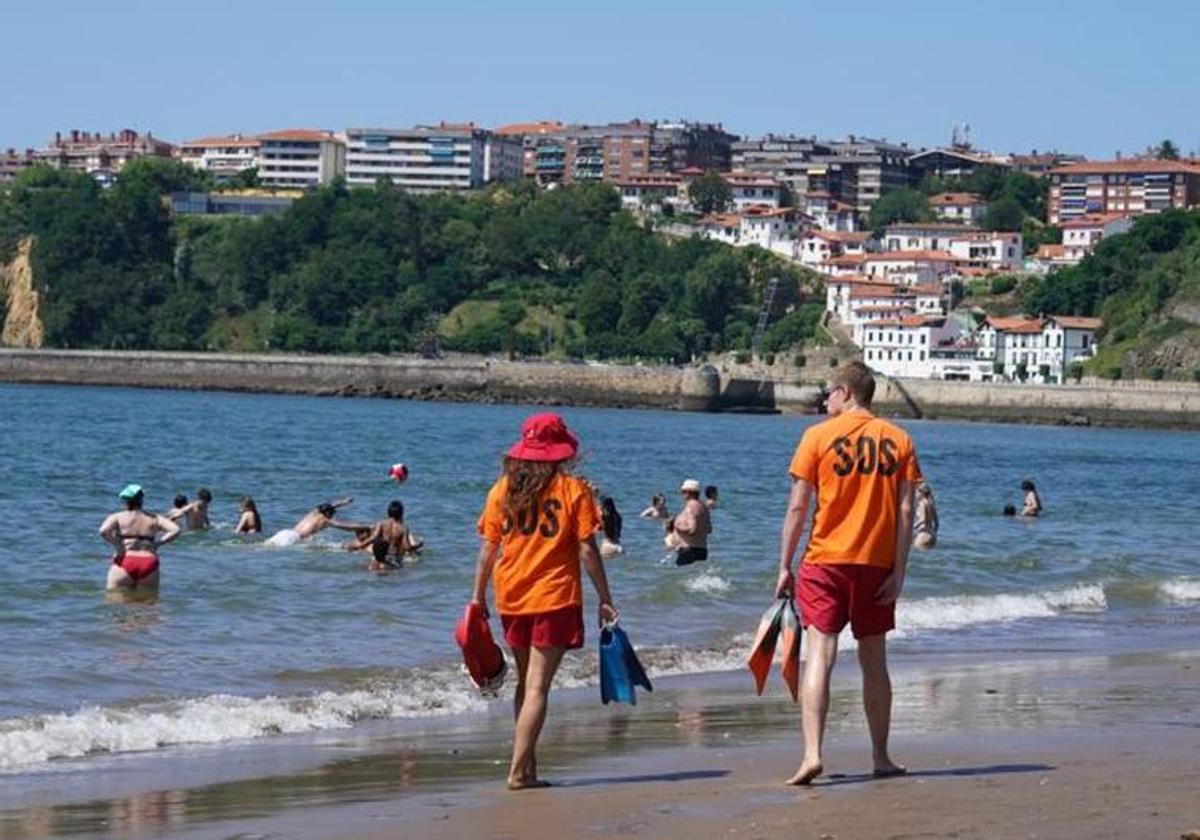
(762, 654)
(789, 639)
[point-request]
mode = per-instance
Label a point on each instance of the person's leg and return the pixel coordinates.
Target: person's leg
(877, 700)
(814, 696)
(534, 688)
(118, 578)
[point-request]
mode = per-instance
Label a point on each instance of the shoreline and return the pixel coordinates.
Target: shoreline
(703, 388)
(995, 749)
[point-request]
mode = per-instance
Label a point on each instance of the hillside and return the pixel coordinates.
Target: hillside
(1146, 286)
(559, 273)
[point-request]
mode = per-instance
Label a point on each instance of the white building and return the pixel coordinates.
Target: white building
(224, 157)
(817, 246)
(961, 208)
(775, 229)
(1040, 350)
(909, 267)
(430, 159)
(828, 213)
(904, 346)
(920, 236)
(1083, 234)
(300, 158)
(992, 250)
(748, 188)
(652, 192)
(723, 227)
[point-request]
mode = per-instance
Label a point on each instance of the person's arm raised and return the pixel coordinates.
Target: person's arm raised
(893, 584)
(376, 533)
(789, 538)
(589, 555)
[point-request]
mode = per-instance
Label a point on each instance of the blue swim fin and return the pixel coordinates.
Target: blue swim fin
(620, 669)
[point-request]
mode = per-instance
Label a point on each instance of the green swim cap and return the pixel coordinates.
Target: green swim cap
(131, 491)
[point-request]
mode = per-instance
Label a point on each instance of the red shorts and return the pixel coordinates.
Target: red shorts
(830, 595)
(557, 628)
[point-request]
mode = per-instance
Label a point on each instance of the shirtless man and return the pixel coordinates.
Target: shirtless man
(693, 524)
(388, 538)
(312, 523)
(195, 513)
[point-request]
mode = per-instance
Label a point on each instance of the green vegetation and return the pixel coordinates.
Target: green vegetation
(1015, 201)
(902, 205)
(710, 194)
(1143, 284)
(563, 273)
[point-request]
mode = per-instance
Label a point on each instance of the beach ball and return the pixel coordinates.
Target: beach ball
(399, 472)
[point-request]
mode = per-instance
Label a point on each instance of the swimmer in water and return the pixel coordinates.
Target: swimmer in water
(389, 539)
(178, 508)
(135, 537)
(711, 496)
(610, 528)
(195, 513)
(1032, 503)
(312, 523)
(249, 522)
(657, 509)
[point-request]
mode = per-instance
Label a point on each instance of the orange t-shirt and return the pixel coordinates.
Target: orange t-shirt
(538, 570)
(856, 462)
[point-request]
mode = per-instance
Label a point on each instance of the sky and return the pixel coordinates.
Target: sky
(1087, 76)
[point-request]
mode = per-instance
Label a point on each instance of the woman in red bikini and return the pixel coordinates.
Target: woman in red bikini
(135, 537)
(538, 526)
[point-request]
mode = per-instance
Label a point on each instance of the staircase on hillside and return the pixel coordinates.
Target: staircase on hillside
(764, 315)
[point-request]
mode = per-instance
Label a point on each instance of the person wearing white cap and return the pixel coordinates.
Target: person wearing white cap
(693, 524)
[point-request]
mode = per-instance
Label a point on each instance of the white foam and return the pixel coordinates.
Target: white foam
(948, 612)
(706, 582)
(219, 718)
(1180, 590)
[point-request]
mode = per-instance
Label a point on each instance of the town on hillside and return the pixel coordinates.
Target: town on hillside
(908, 239)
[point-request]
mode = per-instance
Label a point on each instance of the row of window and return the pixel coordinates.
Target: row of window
(898, 338)
(877, 355)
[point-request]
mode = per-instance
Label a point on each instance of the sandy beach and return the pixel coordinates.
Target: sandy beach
(1105, 746)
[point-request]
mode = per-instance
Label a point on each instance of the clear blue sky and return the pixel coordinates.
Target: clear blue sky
(1092, 77)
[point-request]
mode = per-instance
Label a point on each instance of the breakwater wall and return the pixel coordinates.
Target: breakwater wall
(698, 388)
(464, 378)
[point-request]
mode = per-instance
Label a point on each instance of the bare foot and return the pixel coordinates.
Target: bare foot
(527, 784)
(888, 770)
(806, 774)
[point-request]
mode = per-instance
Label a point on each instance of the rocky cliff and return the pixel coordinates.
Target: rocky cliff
(22, 324)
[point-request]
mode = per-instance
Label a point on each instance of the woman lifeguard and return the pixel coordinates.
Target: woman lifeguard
(541, 521)
(135, 537)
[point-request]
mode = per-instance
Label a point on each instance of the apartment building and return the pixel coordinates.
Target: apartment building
(782, 157)
(817, 246)
(772, 228)
(526, 134)
(857, 171)
(13, 163)
(748, 189)
(958, 162)
(1127, 187)
(653, 192)
(1081, 236)
(436, 158)
(828, 213)
(909, 267)
(100, 155)
(223, 157)
(300, 158)
(960, 208)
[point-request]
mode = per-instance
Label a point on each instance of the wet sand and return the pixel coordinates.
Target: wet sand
(1101, 746)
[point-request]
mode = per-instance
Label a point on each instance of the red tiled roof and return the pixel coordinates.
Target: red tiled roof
(876, 290)
(540, 127)
(911, 321)
(954, 198)
(846, 259)
(231, 140)
(839, 235)
(1094, 220)
(1100, 167)
(1075, 322)
(1015, 324)
(911, 256)
(1051, 252)
(309, 135)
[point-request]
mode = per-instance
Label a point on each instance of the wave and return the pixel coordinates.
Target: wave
(707, 582)
(1180, 590)
(954, 611)
(28, 742)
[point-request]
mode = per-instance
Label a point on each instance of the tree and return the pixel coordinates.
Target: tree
(901, 205)
(710, 193)
(1167, 150)
(1004, 213)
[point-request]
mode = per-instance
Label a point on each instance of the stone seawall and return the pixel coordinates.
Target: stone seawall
(457, 378)
(467, 378)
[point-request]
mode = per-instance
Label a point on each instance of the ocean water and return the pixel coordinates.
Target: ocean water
(250, 642)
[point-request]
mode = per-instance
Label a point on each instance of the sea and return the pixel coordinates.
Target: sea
(248, 643)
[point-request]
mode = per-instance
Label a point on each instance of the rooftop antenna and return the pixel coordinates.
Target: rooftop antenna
(960, 136)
